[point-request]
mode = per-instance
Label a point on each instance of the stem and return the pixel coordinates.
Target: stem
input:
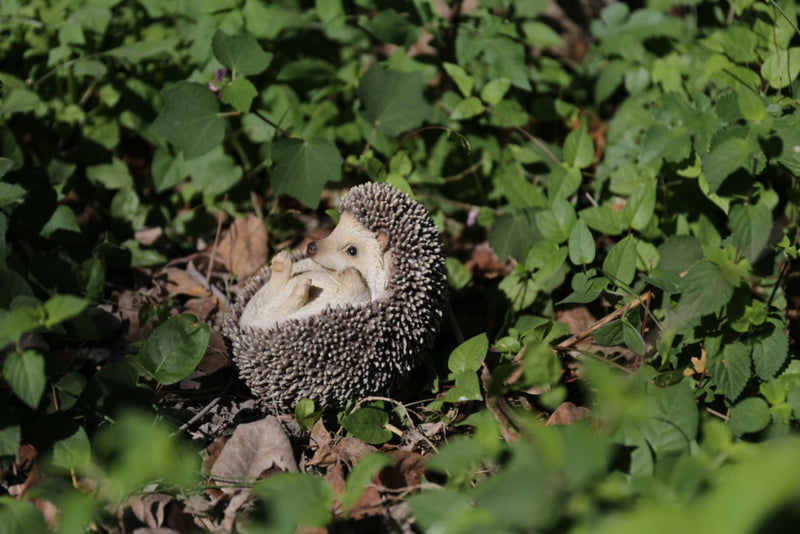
(271, 123)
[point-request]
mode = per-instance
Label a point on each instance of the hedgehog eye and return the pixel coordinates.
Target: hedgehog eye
(352, 251)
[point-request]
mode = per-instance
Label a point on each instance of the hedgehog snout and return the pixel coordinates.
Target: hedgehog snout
(311, 249)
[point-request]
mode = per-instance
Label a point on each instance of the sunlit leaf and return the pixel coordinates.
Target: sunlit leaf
(174, 349)
(240, 53)
(190, 119)
(392, 100)
(301, 168)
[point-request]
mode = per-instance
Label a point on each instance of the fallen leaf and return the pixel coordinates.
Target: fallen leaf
(148, 236)
(180, 283)
(253, 448)
(243, 250)
(568, 413)
(485, 261)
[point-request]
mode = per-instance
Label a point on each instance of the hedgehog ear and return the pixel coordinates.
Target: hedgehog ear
(383, 239)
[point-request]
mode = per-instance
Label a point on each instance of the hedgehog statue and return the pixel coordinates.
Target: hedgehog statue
(352, 315)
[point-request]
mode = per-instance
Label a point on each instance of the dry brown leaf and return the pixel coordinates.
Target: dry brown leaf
(243, 250)
(216, 357)
(202, 307)
(252, 449)
(406, 472)
(156, 512)
(484, 260)
(577, 318)
(351, 450)
(568, 413)
(180, 283)
(148, 236)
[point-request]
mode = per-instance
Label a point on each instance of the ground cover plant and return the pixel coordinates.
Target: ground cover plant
(616, 186)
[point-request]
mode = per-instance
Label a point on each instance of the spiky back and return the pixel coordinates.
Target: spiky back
(358, 350)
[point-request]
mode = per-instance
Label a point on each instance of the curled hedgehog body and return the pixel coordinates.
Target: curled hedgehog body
(357, 349)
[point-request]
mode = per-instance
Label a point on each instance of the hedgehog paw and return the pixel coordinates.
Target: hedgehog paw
(281, 268)
(298, 295)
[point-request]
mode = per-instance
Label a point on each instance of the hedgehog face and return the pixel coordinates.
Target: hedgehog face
(352, 245)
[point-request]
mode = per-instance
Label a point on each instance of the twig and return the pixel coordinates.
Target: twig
(616, 314)
(495, 405)
(205, 409)
(271, 123)
(716, 413)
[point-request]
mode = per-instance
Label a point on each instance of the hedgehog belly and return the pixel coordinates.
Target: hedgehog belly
(337, 355)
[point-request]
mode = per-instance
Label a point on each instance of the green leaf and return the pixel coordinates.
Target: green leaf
(140, 450)
(368, 424)
(540, 365)
(770, 349)
(190, 119)
(540, 34)
(563, 181)
(62, 307)
(214, 173)
(6, 164)
(512, 234)
(458, 276)
(240, 53)
(494, 91)
(665, 280)
(748, 416)
(603, 219)
(10, 193)
(782, 67)
(620, 263)
(239, 93)
(639, 208)
(585, 287)
(671, 143)
(751, 226)
(301, 168)
(467, 388)
(14, 323)
(294, 500)
(731, 370)
(62, 219)
(468, 355)
(578, 148)
(581, 244)
(24, 372)
(389, 26)
(633, 339)
(167, 170)
(751, 106)
(673, 419)
(393, 101)
(114, 175)
(10, 433)
(73, 452)
(464, 81)
(678, 253)
(556, 223)
(174, 349)
(20, 516)
(140, 50)
(305, 415)
(727, 157)
(361, 476)
(467, 108)
(706, 290)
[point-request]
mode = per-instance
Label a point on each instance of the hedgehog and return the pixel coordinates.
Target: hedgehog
(348, 349)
